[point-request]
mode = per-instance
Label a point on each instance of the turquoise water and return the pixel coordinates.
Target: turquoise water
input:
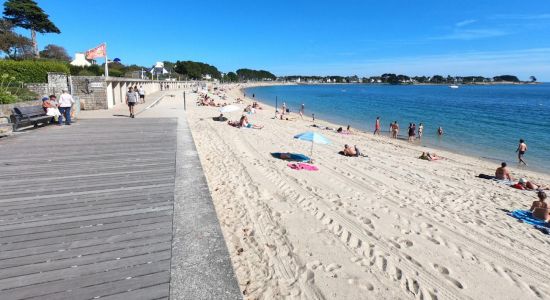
(484, 121)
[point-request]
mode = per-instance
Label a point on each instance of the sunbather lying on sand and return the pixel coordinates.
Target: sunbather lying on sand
(524, 184)
(234, 123)
(428, 156)
(349, 151)
(539, 208)
(244, 123)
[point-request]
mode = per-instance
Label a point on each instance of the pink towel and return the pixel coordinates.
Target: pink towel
(302, 166)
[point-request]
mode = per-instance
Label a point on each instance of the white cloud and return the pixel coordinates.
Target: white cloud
(472, 34)
(522, 17)
(465, 22)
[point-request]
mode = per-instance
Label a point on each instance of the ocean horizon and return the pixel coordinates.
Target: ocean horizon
(482, 121)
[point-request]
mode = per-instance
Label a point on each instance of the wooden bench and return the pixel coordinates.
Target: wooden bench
(29, 115)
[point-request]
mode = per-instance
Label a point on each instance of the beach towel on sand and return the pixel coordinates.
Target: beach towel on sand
(290, 156)
(527, 217)
(302, 166)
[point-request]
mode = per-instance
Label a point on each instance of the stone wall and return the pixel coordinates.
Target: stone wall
(91, 90)
(56, 83)
(41, 89)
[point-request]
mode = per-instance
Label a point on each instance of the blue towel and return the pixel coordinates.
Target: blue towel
(527, 217)
(291, 156)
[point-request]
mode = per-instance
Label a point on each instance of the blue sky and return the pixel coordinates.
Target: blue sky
(316, 37)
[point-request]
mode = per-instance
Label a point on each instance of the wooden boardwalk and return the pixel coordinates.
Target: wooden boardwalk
(86, 210)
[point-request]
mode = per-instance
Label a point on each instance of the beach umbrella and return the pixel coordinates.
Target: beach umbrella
(229, 108)
(312, 137)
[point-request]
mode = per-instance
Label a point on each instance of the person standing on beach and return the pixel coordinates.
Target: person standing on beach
(420, 130)
(395, 130)
(411, 132)
(284, 108)
(522, 148)
(377, 126)
(131, 100)
(302, 110)
(66, 102)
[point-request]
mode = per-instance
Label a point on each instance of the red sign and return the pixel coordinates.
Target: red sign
(99, 51)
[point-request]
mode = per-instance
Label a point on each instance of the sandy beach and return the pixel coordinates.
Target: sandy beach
(390, 226)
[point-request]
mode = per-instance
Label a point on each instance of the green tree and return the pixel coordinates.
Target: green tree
(28, 15)
(52, 51)
(14, 45)
(231, 77)
(533, 78)
(506, 78)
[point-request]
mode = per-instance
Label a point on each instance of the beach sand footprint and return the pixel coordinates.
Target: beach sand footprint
(446, 273)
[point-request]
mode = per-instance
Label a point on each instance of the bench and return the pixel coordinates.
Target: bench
(29, 115)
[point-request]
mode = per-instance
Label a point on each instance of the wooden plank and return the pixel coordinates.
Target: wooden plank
(55, 287)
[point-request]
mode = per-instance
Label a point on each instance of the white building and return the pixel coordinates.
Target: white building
(80, 60)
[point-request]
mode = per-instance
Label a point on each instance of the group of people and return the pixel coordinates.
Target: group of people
(413, 131)
(59, 108)
(539, 208)
(134, 96)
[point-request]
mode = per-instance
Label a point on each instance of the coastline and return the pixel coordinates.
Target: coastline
(384, 227)
(403, 139)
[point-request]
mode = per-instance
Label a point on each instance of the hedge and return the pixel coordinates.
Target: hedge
(32, 71)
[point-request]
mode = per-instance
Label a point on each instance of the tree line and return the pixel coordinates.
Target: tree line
(391, 78)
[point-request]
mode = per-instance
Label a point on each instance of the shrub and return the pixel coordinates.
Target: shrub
(32, 71)
(6, 98)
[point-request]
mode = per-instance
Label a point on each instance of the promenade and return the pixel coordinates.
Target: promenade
(110, 208)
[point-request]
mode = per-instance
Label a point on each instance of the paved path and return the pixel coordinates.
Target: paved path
(112, 208)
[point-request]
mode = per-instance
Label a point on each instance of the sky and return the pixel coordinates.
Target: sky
(362, 38)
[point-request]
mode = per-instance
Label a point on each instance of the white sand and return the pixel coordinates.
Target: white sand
(390, 226)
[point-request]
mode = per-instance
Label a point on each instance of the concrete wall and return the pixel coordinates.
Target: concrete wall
(97, 92)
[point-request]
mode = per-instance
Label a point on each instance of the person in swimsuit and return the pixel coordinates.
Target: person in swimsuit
(540, 208)
(395, 130)
(522, 148)
(377, 126)
(244, 123)
(348, 151)
(440, 131)
(503, 173)
(420, 130)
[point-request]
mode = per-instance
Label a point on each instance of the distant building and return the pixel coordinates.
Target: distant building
(158, 69)
(80, 60)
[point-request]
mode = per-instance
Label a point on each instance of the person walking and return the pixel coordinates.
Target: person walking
(522, 148)
(66, 102)
(377, 126)
(131, 99)
(141, 92)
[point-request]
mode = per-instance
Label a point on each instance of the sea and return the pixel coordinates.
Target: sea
(485, 121)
